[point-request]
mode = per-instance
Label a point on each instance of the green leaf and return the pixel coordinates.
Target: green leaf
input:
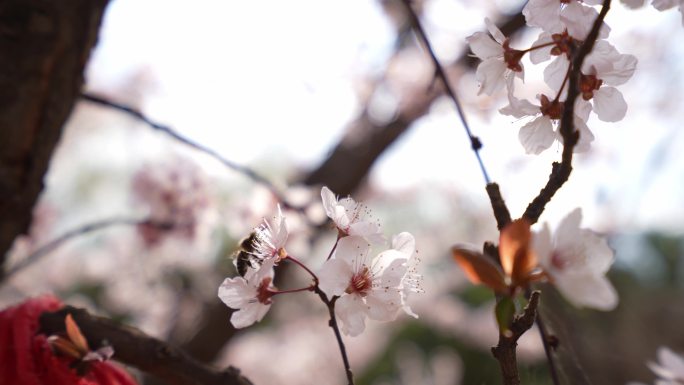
(505, 310)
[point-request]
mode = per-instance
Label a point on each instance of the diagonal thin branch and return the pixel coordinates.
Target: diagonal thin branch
(560, 172)
(475, 143)
(256, 177)
(133, 347)
(85, 229)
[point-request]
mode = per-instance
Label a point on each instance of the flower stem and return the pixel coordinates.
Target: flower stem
(333, 324)
(303, 266)
(308, 288)
(333, 248)
(538, 47)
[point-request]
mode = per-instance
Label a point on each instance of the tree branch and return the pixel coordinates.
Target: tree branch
(365, 140)
(560, 172)
(132, 347)
(475, 143)
(505, 351)
(88, 228)
(45, 45)
(248, 172)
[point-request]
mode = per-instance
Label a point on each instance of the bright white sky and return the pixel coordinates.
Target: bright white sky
(262, 78)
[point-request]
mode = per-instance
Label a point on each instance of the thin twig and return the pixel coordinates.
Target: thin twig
(256, 177)
(88, 228)
(330, 303)
(560, 172)
(475, 143)
(549, 348)
(133, 347)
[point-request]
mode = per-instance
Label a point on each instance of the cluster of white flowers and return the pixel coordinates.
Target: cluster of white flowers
(565, 24)
(359, 286)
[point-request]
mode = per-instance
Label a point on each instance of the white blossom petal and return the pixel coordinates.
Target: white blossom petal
(662, 5)
(554, 73)
(544, 14)
(495, 31)
(587, 290)
(483, 46)
(235, 292)
(670, 365)
(335, 276)
(537, 135)
(383, 305)
(633, 4)
(585, 135)
(540, 55)
(404, 243)
(353, 250)
(609, 104)
(253, 312)
(519, 108)
(490, 75)
(351, 311)
(543, 246)
(579, 20)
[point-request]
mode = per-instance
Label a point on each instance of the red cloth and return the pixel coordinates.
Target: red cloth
(27, 359)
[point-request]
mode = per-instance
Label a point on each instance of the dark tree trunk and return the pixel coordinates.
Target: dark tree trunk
(44, 46)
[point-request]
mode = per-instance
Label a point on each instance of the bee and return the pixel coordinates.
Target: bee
(246, 255)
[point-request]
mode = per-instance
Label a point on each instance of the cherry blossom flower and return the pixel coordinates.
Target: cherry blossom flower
(498, 59)
(176, 196)
(539, 134)
(366, 288)
(670, 367)
(556, 16)
(27, 357)
(603, 69)
(249, 295)
(349, 215)
(663, 5)
(576, 261)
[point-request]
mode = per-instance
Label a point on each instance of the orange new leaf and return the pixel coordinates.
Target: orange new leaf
(75, 335)
(479, 268)
(517, 259)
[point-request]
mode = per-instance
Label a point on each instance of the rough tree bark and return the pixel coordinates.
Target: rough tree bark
(44, 46)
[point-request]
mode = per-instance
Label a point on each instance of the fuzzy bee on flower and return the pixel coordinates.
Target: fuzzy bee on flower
(266, 241)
